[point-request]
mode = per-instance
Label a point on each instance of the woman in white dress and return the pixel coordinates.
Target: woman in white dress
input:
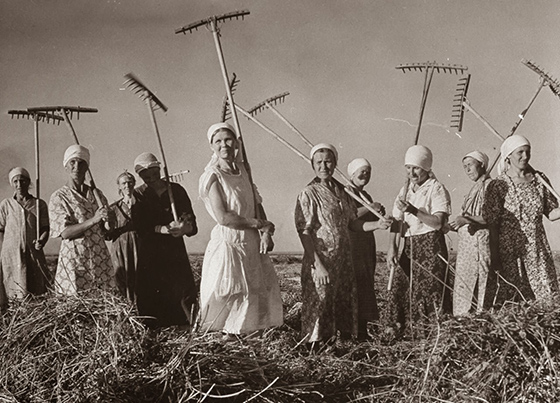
(239, 290)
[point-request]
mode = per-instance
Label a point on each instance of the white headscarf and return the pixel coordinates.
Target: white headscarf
(17, 171)
(217, 126)
(76, 151)
(145, 161)
(357, 164)
(480, 157)
(419, 156)
(508, 146)
(323, 146)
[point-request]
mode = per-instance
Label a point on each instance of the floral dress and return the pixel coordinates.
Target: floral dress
(324, 215)
(83, 262)
(516, 212)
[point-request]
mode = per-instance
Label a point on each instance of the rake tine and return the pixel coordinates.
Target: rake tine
(133, 80)
(218, 18)
(226, 113)
(272, 100)
(551, 82)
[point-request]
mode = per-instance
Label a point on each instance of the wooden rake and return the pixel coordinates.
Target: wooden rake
(462, 103)
(153, 103)
(46, 117)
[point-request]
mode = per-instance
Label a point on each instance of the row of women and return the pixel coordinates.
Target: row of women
(503, 253)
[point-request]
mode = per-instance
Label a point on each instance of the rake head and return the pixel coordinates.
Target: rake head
(177, 176)
(438, 67)
(226, 112)
(553, 83)
(272, 100)
(63, 110)
(211, 21)
(136, 86)
(40, 116)
(458, 112)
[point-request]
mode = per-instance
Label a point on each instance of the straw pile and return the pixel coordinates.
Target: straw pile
(93, 348)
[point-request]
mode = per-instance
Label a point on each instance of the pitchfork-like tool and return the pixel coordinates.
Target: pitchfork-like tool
(211, 23)
(37, 117)
(226, 113)
(153, 103)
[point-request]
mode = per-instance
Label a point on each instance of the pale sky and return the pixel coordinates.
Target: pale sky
(336, 58)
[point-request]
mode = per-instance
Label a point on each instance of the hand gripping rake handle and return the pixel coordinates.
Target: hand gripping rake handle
(153, 103)
(299, 154)
(37, 117)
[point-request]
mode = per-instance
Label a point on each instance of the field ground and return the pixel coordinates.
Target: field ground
(94, 349)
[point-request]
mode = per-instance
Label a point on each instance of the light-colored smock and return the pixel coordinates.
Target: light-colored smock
(239, 291)
(83, 262)
(473, 256)
(24, 268)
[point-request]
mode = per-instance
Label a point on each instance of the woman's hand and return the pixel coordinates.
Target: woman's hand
(100, 215)
(267, 244)
(37, 244)
(384, 223)
(392, 257)
(406, 207)
(458, 222)
(378, 207)
(265, 226)
(179, 228)
(319, 273)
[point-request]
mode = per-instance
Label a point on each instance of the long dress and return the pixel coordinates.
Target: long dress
(421, 259)
(124, 248)
(516, 211)
(24, 268)
(473, 256)
(325, 216)
(83, 262)
(165, 288)
(239, 291)
(364, 257)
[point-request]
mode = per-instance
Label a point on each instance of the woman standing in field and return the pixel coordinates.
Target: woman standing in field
(165, 289)
(239, 290)
(124, 238)
(83, 260)
(473, 257)
(515, 204)
(364, 256)
(24, 267)
(426, 206)
(324, 215)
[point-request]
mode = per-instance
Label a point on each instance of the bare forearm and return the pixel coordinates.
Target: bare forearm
(436, 221)
(76, 230)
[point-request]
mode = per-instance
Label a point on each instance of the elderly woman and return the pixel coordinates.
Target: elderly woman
(165, 289)
(324, 215)
(239, 290)
(77, 218)
(424, 207)
(515, 204)
(473, 256)
(124, 238)
(24, 267)
(364, 254)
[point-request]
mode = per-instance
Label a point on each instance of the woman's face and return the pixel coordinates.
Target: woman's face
(126, 185)
(473, 168)
(416, 174)
(224, 144)
(20, 184)
(361, 177)
(324, 164)
(76, 169)
(520, 157)
(150, 176)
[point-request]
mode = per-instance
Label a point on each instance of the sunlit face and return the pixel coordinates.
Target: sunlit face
(150, 176)
(324, 164)
(361, 177)
(126, 185)
(21, 184)
(473, 168)
(416, 174)
(77, 169)
(520, 157)
(224, 144)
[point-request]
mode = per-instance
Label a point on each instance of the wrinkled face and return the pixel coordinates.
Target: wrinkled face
(20, 184)
(362, 176)
(150, 176)
(416, 174)
(126, 185)
(473, 168)
(76, 169)
(520, 157)
(224, 144)
(324, 164)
